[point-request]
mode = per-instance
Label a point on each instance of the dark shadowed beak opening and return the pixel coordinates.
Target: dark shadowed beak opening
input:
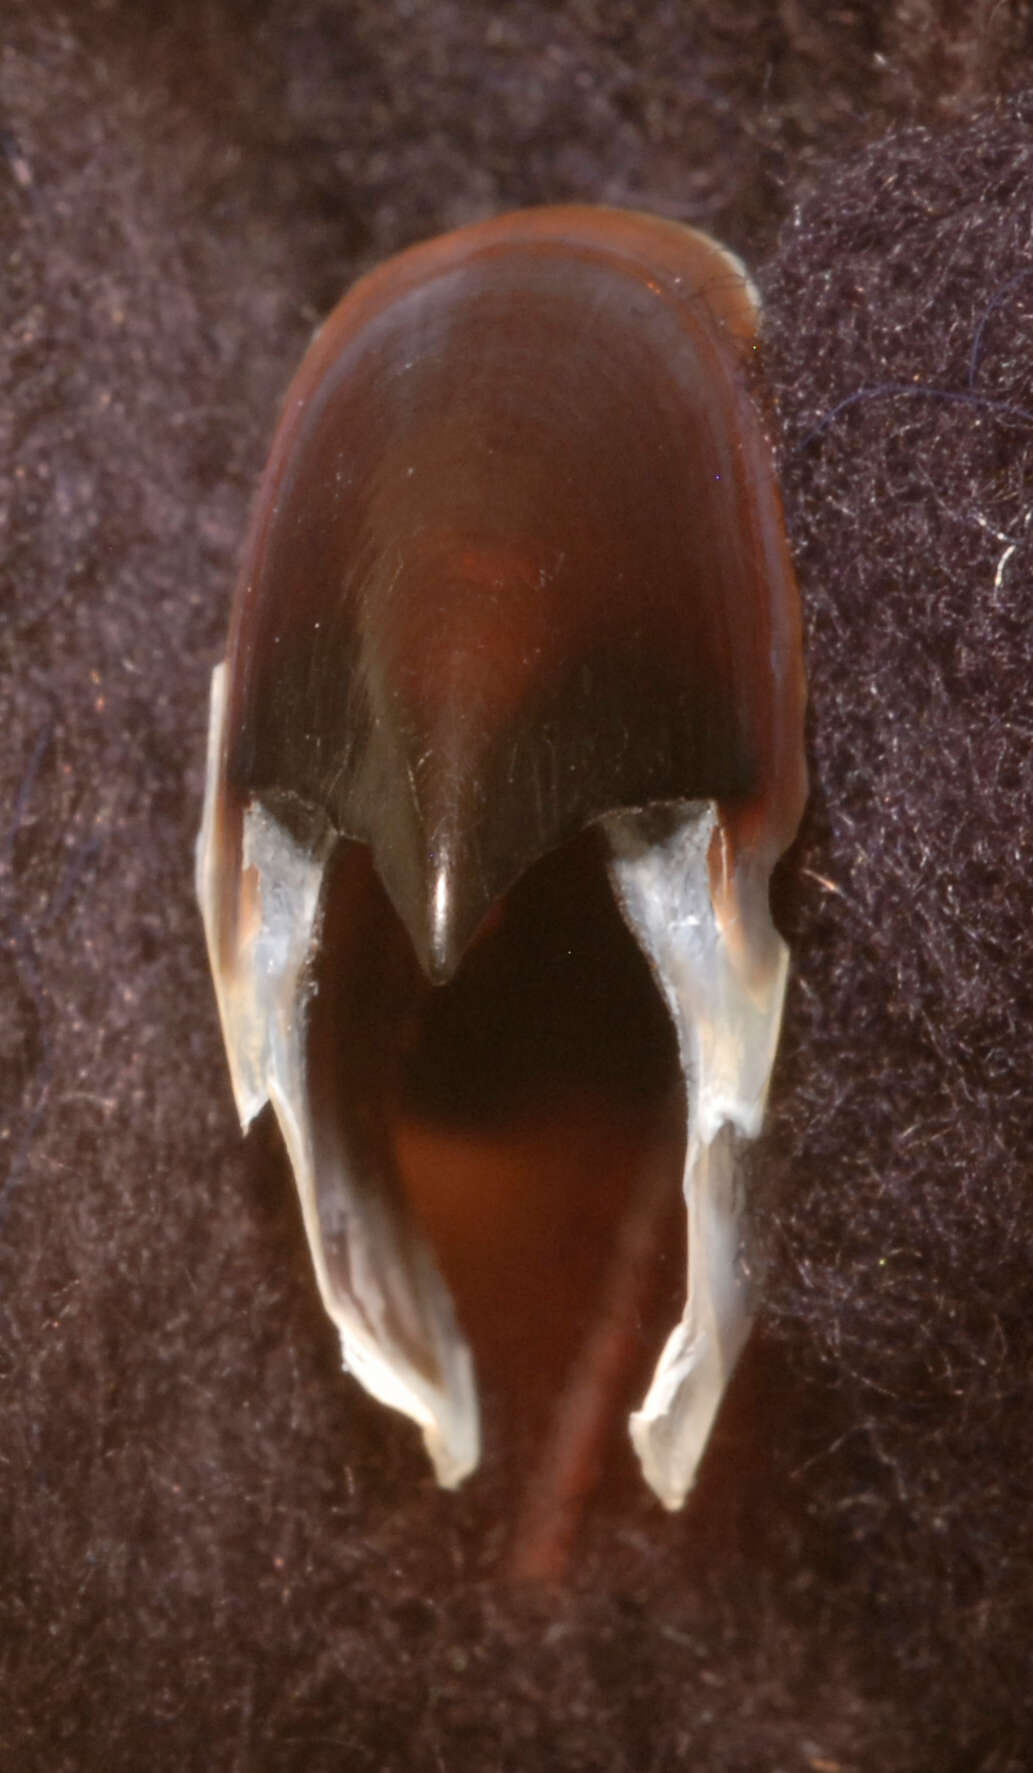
(526, 1117)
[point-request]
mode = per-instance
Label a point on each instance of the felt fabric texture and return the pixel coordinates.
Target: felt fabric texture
(214, 1551)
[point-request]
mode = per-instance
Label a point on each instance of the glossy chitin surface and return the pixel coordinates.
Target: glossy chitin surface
(517, 566)
(517, 558)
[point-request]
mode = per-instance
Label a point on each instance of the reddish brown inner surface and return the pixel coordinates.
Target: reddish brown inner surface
(540, 1145)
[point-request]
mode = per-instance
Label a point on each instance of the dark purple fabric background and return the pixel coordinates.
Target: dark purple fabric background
(214, 1552)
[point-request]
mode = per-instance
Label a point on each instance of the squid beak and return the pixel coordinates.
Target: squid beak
(517, 569)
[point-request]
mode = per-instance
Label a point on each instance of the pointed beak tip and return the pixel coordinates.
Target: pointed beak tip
(441, 951)
(441, 957)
